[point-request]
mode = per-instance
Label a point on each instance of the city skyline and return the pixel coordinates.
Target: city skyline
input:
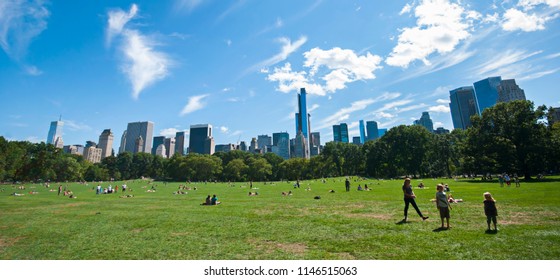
(185, 62)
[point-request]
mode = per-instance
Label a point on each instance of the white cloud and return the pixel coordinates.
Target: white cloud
(517, 20)
(344, 113)
(313, 108)
(503, 60)
(287, 48)
(117, 20)
(76, 126)
(237, 132)
(393, 105)
(169, 132)
(143, 65)
(411, 107)
(406, 9)
(441, 25)
(342, 66)
(224, 129)
(554, 55)
(195, 103)
(442, 101)
(530, 4)
(438, 124)
(384, 115)
(537, 75)
(439, 109)
(20, 23)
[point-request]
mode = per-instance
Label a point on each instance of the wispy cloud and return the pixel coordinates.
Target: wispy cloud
(537, 75)
(224, 129)
(501, 60)
(195, 103)
(169, 132)
(287, 48)
(76, 126)
(20, 23)
(439, 109)
(143, 65)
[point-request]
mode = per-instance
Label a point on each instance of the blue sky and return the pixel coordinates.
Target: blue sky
(239, 64)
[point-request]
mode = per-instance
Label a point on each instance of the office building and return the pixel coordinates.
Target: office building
(281, 144)
(301, 147)
(356, 140)
(92, 153)
(106, 143)
(224, 148)
(123, 142)
(180, 143)
(243, 146)
(362, 132)
(372, 130)
(340, 133)
(508, 91)
(138, 133)
(462, 106)
(486, 92)
(161, 151)
(381, 132)
(441, 130)
(59, 143)
(315, 145)
(158, 140)
(55, 132)
(303, 121)
(199, 139)
(169, 146)
(425, 121)
(264, 141)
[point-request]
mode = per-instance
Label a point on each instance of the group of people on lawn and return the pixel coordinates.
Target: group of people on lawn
(443, 204)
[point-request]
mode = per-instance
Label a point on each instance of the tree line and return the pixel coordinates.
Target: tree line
(510, 137)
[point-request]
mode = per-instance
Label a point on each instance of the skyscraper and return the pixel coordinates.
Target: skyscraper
(382, 131)
(356, 140)
(362, 132)
(508, 91)
(169, 146)
(264, 141)
(135, 130)
(486, 92)
(426, 122)
(463, 106)
(303, 123)
(281, 144)
(315, 145)
(340, 133)
(123, 142)
(253, 148)
(199, 139)
(158, 140)
(106, 143)
(55, 131)
(180, 142)
(300, 146)
(372, 130)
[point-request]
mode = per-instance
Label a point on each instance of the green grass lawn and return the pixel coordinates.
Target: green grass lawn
(340, 225)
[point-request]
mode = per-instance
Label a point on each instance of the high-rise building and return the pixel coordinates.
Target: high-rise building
(253, 148)
(180, 143)
(303, 120)
(425, 121)
(55, 131)
(161, 151)
(463, 106)
(362, 132)
(199, 139)
(508, 91)
(382, 132)
(281, 144)
(337, 137)
(106, 143)
(243, 146)
(486, 92)
(224, 148)
(123, 142)
(59, 143)
(356, 140)
(169, 146)
(300, 146)
(340, 133)
(441, 130)
(263, 141)
(135, 131)
(158, 140)
(92, 154)
(372, 130)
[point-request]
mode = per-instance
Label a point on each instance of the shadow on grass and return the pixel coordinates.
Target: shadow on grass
(401, 222)
(440, 229)
(491, 231)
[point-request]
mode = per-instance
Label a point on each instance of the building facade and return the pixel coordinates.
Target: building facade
(303, 120)
(281, 144)
(340, 133)
(169, 147)
(372, 130)
(508, 91)
(426, 122)
(199, 139)
(486, 92)
(106, 143)
(463, 106)
(55, 132)
(180, 143)
(139, 133)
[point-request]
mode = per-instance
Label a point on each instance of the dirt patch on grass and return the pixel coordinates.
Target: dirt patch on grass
(515, 218)
(137, 230)
(345, 256)
(7, 242)
(376, 216)
(270, 246)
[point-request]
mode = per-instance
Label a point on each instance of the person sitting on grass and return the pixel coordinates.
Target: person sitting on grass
(454, 200)
(214, 200)
(366, 188)
(208, 201)
(360, 188)
(253, 193)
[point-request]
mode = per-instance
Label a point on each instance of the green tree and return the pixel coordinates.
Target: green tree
(259, 169)
(236, 171)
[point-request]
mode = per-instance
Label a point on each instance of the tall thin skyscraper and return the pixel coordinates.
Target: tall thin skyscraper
(344, 133)
(362, 132)
(106, 143)
(158, 140)
(123, 142)
(463, 106)
(486, 92)
(372, 130)
(55, 131)
(337, 137)
(508, 91)
(199, 139)
(303, 123)
(180, 142)
(169, 146)
(135, 130)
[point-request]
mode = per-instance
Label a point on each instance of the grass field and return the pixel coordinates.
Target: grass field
(341, 225)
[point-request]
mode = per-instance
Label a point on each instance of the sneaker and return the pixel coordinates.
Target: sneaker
(425, 218)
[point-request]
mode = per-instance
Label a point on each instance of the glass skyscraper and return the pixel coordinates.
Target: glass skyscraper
(486, 92)
(180, 142)
(463, 106)
(425, 121)
(340, 133)
(372, 130)
(200, 139)
(303, 123)
(158, 140)
(362, 132)
(281, 144)
(55, 131)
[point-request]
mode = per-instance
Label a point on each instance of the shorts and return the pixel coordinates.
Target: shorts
(444, 212)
